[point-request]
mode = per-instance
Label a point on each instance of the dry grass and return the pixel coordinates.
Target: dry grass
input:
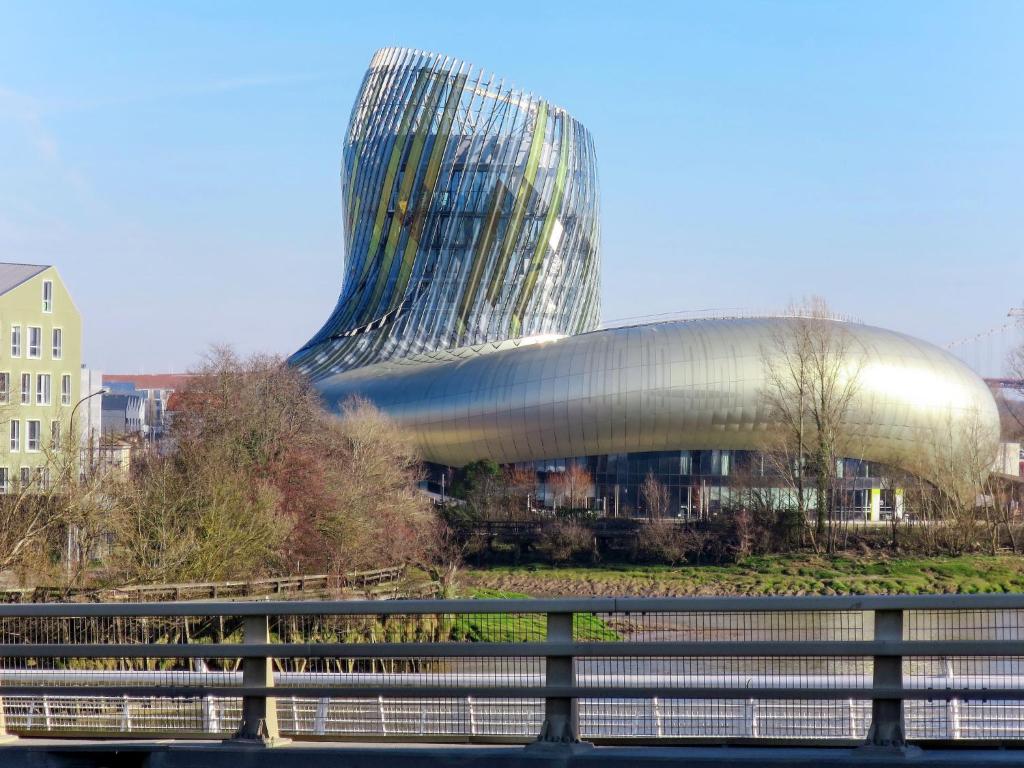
(775, 575)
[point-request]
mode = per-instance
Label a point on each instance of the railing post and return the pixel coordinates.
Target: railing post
(887, 728)
(320, 721)
(259, 713)
(561, 713)
(211, 718)
(126, 714)
(952, 705)
(750, 718)
(5, 737)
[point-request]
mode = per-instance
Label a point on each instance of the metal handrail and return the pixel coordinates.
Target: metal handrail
(559, 686)
(639, 605)
(523, 692)
(526, 649)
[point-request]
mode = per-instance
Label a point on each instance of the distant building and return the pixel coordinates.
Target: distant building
(155, 389)
(40, 377)
(1008, 462)
(90, 415)
(124, 415)
(114, 455)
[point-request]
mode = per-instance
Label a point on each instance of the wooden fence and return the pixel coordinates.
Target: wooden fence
(380, 583)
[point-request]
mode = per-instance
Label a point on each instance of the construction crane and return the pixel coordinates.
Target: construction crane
(1017, 384)
(1017, 317)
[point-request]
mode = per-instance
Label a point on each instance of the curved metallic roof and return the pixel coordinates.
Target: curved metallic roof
(665, 386)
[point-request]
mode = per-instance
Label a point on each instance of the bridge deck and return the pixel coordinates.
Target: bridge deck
(43, 753)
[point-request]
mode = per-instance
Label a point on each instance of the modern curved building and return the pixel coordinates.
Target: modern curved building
(471, 215)
(685, 385)
(470, 304)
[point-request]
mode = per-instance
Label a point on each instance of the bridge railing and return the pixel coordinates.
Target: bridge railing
(876, 670)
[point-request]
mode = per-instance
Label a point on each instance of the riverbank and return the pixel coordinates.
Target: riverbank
(769, 575)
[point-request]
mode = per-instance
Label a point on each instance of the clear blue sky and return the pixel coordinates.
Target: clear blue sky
(179, 161)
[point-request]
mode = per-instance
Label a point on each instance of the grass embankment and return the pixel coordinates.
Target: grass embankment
(518, 628)
(770, 575)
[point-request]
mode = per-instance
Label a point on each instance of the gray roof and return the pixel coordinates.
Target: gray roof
(120, 402)
(13, 275)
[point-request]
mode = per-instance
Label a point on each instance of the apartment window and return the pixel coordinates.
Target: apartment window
(58, 344)
(43, 477)
(26, 477)
(35, 341)
(5, 388)
(26, 389)
(47, 296)
(15, 435)
(15, 341)
(55, 434)
(34, 428)
(5, 479)
(65, 389)
(43, 389)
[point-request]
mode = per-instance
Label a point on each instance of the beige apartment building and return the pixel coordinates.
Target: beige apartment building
(40, 362)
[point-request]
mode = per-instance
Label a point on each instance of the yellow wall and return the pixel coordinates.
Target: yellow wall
(23, 306)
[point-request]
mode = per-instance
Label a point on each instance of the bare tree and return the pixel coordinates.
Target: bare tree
(520, 486)
(655, 497)
(261, 478)
(950, 472)
(787, 396)
(212, 523)
(1013, 405)
(377, 515)
(1005, 497)
(662, 541)
(37, 508)
(572, 486)
(29, 514)
(564, 540)
(482, 486)
(765, 516)
(811, 374)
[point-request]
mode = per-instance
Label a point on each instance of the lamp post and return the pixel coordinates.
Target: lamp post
(71, 424)
(74, 437)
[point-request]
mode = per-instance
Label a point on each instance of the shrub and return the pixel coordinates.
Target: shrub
(564, 540)
(668, 542)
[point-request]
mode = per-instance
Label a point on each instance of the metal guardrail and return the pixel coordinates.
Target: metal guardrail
(607, 656)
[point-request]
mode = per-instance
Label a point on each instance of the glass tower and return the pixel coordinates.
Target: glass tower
(470, 215)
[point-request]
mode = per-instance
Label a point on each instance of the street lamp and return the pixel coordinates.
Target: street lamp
(71, 425)
(100, 391)
(74, 437)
